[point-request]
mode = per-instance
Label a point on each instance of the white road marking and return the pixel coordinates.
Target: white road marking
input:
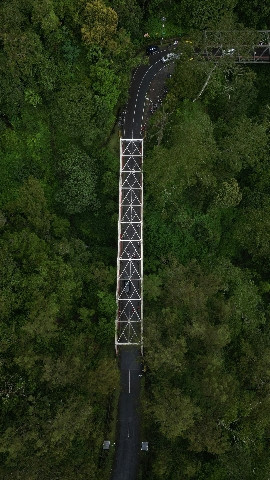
(141, 82)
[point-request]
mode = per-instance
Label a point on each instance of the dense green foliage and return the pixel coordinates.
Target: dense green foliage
(186, 15)
(65, 67)
(55, 324)
(207, 286)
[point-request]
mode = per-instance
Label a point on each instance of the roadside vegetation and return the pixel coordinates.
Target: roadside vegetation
(65, 68)
(206, 288)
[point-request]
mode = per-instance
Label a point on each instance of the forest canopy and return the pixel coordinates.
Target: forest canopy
(65, 69)
(207, 348)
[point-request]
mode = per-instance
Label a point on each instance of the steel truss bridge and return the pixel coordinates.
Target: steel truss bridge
(129, 296)
(244, 46)
(129, 317)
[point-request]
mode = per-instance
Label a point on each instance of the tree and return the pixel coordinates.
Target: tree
(52, 360)
(100, 24)
(200, 347)
(177, 165)
(77, 172)
(246, 145)
(129, 16)
(43, 15)
(255, 16)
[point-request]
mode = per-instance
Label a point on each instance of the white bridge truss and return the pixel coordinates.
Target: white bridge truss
(129, 299)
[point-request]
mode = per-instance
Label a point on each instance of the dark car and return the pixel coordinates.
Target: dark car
(127, 286)
(152, 49)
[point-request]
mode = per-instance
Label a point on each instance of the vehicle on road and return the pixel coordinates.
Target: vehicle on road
(229, 51)
(127, 286)
(152, 49)
(169, 57)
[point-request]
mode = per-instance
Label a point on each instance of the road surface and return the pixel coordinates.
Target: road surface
(128, 442)
(128, 430)
(141, 80)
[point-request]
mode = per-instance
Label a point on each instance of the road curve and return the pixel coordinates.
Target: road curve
(128, 428)
(141, 80)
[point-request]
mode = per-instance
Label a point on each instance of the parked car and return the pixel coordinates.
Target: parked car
(152, 49)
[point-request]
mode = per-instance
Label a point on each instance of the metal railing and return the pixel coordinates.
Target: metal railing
(244, 46)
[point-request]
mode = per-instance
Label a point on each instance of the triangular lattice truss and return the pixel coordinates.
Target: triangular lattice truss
(244, 46)
(129, 317)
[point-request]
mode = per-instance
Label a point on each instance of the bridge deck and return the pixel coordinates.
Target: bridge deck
(129, 317)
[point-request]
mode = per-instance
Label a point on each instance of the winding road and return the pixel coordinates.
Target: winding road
(141, 80)
(128, 430)
(130, 269)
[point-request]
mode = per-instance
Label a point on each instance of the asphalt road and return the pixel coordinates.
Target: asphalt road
(141, 80)
(128, 442)
(128, 431)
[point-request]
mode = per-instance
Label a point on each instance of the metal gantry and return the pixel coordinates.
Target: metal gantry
(245, 46)
(129, 299)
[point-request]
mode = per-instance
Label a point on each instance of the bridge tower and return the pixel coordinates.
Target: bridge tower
(129, 297)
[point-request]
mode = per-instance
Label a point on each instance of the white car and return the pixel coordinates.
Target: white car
(230, 51)
(170, 56)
